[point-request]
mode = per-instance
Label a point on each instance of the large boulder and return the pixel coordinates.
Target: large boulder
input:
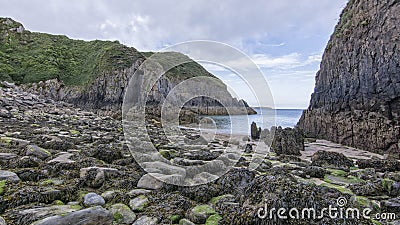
(379, 165)
(332, 160)
(89, 216)
(288, 141)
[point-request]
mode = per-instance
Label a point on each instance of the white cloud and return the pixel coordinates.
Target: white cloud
(289, 61)
(282, 36)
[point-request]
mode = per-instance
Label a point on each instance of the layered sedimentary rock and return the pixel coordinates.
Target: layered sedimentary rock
(356, 100)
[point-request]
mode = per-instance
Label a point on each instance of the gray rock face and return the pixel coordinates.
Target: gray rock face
(356, 100)
(105, 94)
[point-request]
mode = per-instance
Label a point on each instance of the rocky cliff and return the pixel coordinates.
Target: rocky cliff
(356, 100)
(93, 75)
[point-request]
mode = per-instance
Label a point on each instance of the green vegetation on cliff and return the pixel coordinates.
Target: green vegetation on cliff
(27, 57)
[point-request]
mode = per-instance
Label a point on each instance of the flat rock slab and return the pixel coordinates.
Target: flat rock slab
(90, 216)
(352, 153)
(7, 156)
(9, 176)
(48, 211)
(148, 181)
(63, 158)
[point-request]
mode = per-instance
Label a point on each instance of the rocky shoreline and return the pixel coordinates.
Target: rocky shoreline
(63, 165)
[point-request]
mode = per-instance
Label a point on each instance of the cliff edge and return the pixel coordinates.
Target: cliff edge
(356, 100)
(90, 74)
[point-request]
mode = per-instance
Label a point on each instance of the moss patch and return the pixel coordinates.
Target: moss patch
(58, 202)
(2, 186)
(214, 200)
(338, 187)
(339, 173)
(387, 184)
(118, 217)
(175, 219)
(204, 209)
(213, 219)
(74, 132)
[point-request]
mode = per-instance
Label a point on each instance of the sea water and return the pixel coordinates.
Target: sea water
(265, 118)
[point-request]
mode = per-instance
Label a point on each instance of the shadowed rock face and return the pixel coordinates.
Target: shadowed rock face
(356, 100)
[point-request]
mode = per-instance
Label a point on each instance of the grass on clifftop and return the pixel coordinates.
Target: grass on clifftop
(29, 57)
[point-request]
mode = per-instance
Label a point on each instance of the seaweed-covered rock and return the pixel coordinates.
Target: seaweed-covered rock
(287, 141)
(95, 176)
(200, 213)
(278, 189)
(380, 165)
(36, 151)
(313, 171)
(391, 205)
(138, 203)
(255, 131)
(122, 214)
(332, 160)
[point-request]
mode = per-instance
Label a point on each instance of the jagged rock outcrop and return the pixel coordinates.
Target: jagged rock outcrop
(356, 100)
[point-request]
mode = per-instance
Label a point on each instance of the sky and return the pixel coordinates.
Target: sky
(285, 38)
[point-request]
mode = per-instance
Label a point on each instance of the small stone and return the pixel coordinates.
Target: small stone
(138, 203)
(136, 192)
(64, 158)
(93, 199)
(34, 150)
(122, 214)
(186, 222)
(147, 181)
(9, 176)
(200, 213)
(95, 176)
(109, 195)
(2, 221)
(145, 220)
